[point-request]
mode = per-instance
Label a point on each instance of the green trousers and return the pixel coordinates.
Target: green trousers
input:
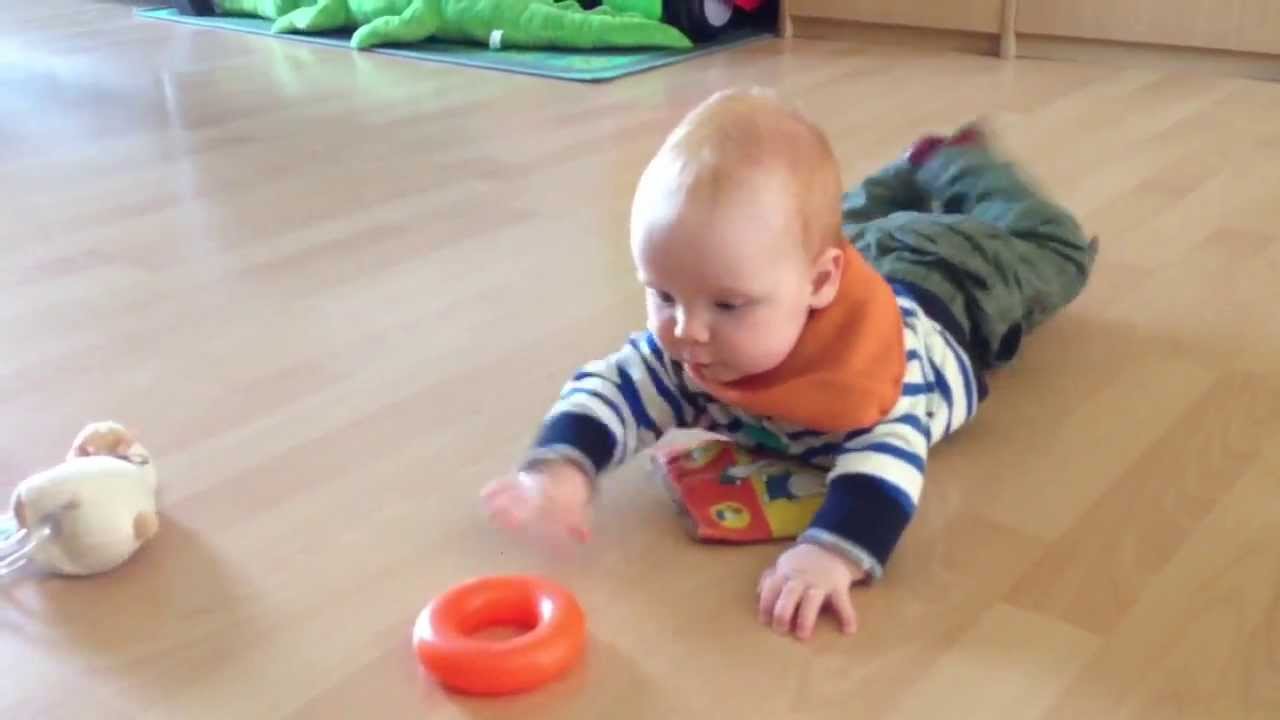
(977, 239)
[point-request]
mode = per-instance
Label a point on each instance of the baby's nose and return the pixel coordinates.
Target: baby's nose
(690, 328)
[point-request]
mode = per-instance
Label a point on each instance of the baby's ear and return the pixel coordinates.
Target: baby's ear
(827, 271)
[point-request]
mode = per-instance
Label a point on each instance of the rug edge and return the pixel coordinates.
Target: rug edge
(167, 13)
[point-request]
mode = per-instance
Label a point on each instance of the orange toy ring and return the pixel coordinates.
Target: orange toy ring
(554, 642)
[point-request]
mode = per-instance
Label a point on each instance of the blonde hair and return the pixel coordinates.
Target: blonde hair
(752, 130)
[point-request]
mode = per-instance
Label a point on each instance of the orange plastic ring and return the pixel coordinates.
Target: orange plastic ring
(554, 641)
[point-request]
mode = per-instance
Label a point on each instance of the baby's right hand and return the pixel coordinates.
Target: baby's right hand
(553, 499)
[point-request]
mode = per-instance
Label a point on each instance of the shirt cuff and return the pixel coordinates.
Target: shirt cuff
(574, 437)
(863, 517)
(855, 554)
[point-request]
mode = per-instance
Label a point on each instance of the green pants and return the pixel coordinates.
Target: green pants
(977, 239)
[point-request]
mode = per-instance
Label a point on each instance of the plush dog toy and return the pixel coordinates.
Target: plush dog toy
(88, 514)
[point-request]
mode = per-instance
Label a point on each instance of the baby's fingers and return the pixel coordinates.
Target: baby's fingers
(571, 520)
(509, 508)
(785, 611)
(770, 589)
(497, 487)
(843, 604)
(810, 606)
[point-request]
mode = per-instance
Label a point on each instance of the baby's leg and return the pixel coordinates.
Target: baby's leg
(970, 180)
(1039, 245)
(892, 189)
(999, 255)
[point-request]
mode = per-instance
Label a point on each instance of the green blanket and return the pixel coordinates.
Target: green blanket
(498, 23)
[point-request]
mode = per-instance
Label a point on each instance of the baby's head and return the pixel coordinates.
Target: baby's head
(736, 234)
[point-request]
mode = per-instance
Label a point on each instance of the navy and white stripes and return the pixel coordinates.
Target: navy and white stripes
(622, 404)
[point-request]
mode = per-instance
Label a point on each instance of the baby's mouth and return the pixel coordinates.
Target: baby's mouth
(707, 371)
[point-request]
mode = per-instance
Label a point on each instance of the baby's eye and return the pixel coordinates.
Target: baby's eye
(727, 306)
(664, 297)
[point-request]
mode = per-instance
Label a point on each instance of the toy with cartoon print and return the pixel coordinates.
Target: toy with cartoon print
(726, 493)
(88, 514)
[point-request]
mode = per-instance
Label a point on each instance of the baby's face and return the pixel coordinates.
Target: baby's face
(729, 287)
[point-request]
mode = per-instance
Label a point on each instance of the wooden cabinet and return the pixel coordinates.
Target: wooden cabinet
(967, 15)
(1238, 37)
(1241, 25)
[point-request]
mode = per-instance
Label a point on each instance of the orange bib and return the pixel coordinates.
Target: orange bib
(846, 369)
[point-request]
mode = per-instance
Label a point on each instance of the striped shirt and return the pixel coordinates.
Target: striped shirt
(620, 405)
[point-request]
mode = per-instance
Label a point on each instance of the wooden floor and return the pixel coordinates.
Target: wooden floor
(335, 292)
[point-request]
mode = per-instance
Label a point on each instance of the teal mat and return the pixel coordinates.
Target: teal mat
(8, 527)
(581, 65)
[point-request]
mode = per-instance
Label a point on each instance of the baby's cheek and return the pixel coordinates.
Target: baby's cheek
(660, 325)
(769, 344)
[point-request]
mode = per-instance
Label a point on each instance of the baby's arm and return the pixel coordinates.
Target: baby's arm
(614, 408)
(872, 493)
(871, 496)
(611, 410)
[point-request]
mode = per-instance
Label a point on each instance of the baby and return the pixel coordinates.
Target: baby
(850, 331)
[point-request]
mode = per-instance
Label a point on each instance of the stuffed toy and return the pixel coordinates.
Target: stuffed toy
(726, 493)
(527, 24)
(88, 514)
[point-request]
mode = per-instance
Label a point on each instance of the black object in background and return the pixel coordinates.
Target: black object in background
(195, 7)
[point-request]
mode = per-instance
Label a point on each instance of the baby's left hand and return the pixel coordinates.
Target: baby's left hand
(802, 581)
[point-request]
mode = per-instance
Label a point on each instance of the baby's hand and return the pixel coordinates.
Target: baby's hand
(800, 583)
(551, 500)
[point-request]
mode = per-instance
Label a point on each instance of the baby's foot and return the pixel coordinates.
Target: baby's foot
(924, 148)
(971, 134)
(102, 438)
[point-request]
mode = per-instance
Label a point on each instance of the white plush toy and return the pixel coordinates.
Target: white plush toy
(89, 514)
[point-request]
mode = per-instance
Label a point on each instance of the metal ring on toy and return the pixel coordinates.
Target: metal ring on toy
(555, 639)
